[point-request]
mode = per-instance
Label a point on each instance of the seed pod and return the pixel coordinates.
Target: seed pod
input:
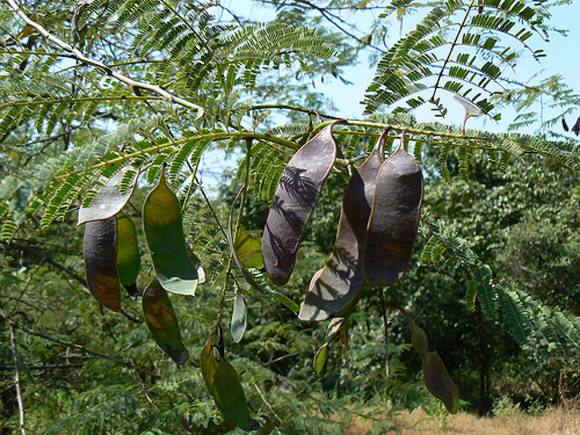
(208, 365)
(109, 201)
(100, 252)
(394, 219)
(163, 228)
(239, 318)
(436, 376)
(128, 258)
(565, 124)
(224, 385)
(576, 127)
(438, 381)
(161, 321)
(337, 285)
(294, 200)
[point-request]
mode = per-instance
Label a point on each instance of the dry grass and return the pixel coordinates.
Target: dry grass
(561, 421)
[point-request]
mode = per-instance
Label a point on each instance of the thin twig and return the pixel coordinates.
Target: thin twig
(386, 331)
(105, 68)
(71, 273)
(74, 345)
(461, 26)
(17, 378)
(268, 404)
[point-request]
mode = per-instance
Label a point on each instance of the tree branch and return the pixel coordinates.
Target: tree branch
(42, 255)
(17, 378)
(13, 324)
(100, 65)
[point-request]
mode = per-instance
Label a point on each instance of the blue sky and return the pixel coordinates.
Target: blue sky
(562, 58)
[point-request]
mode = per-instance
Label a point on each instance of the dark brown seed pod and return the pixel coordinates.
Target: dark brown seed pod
(294, 200)
(337, 285)
(576, 127)
(394, 218)
(100, 252)
(565, 124)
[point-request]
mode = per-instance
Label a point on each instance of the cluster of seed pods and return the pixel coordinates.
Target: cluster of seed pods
(112, 258)
(376, 232)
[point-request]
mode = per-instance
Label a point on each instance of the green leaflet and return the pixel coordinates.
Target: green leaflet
(320, 359)
(128, 258)
(109, 201)
(239, 318)
(161, 321)
(163, 228)
(224, 385)
(248, 249)
(100, 253)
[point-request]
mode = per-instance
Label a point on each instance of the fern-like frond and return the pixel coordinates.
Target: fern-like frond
(442, 53)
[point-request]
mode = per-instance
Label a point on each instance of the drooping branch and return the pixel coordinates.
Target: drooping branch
(77, 54)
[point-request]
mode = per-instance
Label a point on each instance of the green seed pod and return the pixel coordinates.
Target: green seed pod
(439, 382)
(230, 398)
(100, 252)
(161, 321)
(236, 251)
(394, 219)
(128, 258)
(208, 366)
(436, 376)
(294, 202)
(163, 228)
(223, 383)
(338, 284)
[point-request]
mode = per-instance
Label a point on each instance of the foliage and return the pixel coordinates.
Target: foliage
(153, 84)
